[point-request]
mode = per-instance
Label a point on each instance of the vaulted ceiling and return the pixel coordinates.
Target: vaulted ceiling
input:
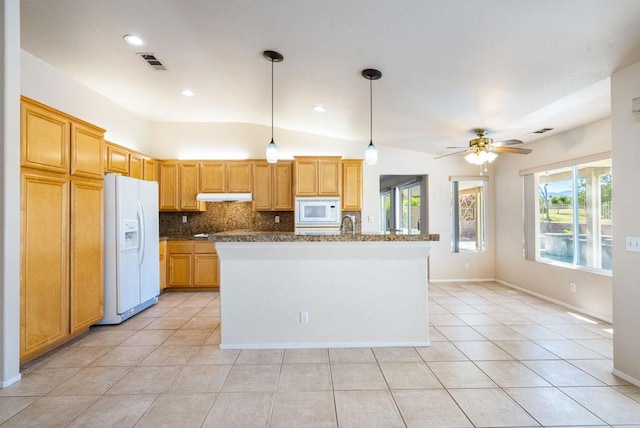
(512, 66)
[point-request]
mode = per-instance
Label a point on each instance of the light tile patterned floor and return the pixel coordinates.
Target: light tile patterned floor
(498, 358)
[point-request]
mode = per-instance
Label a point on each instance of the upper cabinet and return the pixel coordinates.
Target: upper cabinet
(53, 141)
(351, 185)
(225, 177)
(120, 160)
(179, 186)
(272, 186)
(317, 176)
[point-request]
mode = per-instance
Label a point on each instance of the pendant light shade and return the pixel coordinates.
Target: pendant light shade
(371, 154)
(272, 148)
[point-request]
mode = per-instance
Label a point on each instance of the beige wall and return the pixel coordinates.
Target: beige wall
(594, 291)
(625, 86)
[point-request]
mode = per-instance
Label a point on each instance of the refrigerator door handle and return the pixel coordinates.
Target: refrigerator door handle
(141, 241)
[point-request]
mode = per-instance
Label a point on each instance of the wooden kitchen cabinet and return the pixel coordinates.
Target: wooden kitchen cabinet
(179, 185)
(317, 176)
(44, 276)
(162, 252)
(225, 177)
(351, 195)
(86, 254)
(272, 186)
(56, 142)
(136, 166)
(61, 252)
(150, 170)
(192, 264)
(117, 159)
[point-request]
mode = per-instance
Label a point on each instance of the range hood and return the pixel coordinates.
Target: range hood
(224, 197)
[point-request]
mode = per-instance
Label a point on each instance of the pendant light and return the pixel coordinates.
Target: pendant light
(272, 149)
(371, 154)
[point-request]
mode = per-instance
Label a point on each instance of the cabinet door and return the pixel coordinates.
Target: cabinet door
(162, 250)
(86, 262)
(328, 177)
(283, 193)
(45, 139)
(306, 177)
(239, 177)
(150, 170)
(179, 273)
(212, 177)
(205, 270)
(352, 185)
(169, 192)
(86, 151)
(189, 186)
(44, 279)
(262, 186)
(117, 159)
(136, 166)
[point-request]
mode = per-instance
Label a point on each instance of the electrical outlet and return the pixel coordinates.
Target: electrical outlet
(466, 265)
(304, 317)
(277, 219)
(572, 287)
(184, 218)
(633, 243)
(370, 219)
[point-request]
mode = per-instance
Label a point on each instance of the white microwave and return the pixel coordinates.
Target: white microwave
(312, 212)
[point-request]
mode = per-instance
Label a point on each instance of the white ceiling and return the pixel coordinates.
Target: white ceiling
(512, 66)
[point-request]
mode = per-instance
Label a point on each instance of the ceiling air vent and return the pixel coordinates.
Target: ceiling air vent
(543, 130)
(152, 60)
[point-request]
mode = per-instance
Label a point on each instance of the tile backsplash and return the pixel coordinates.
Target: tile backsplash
(223, 216)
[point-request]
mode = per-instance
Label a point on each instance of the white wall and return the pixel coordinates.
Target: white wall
(594, 291)
(48, 85)
(625, 86)
(9, 192)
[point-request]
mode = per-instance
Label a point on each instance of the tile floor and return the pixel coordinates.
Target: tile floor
(498, 358)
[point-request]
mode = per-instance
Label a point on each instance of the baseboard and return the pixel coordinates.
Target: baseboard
(630, 379)
(11, 381)
(557, 302)
(463, 280)
(532, 293)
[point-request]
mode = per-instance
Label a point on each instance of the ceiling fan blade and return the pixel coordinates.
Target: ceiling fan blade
(507, 143)
(457, 147)
(512, 150)
(449, 154)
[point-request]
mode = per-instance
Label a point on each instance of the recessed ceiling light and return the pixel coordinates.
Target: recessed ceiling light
(319, 108)
(133, 39)
(187, 92)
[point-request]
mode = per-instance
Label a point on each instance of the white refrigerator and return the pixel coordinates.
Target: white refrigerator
(131, 265)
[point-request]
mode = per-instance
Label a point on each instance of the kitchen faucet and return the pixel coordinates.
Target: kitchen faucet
(353, 224)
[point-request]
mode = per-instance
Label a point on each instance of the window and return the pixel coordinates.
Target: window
(403, 204)
(468, 214)
(572, 223)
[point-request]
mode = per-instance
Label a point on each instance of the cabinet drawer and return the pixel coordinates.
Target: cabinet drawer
(205, 247)
(179, 247)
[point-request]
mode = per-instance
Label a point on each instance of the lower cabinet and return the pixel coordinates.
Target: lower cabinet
(192, 264)
(162, 249)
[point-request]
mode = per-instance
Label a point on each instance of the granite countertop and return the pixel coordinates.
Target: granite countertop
(198, 237)
(257, 236)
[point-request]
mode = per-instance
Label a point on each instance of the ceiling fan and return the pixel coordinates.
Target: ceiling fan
(482, 149)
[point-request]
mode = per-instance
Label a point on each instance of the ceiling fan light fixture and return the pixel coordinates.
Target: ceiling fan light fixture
(272, 148)
(371, 154)
(479, 157)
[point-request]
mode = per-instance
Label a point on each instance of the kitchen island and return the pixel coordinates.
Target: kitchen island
(282, 290)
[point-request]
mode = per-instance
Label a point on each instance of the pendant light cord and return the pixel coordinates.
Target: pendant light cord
(272, 100)
(370, 111)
